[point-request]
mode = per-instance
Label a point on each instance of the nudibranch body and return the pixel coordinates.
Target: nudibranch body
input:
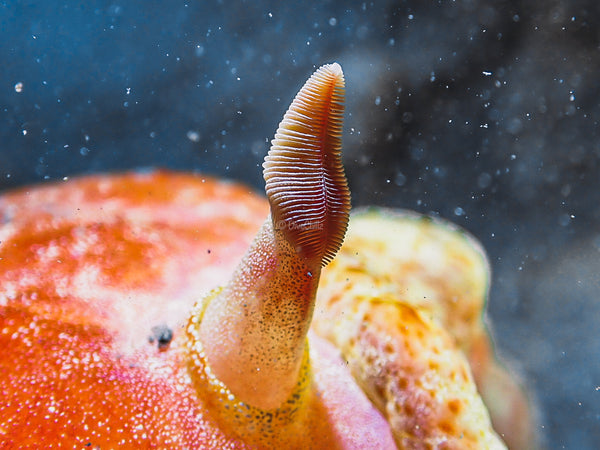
(90, 267)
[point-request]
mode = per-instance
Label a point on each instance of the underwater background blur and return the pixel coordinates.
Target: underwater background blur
(482, 112)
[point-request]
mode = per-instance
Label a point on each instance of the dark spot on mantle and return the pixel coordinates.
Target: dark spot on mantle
(162, 334)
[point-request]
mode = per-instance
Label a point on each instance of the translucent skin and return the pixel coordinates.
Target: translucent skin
(75, 316)
(88, 267)
(254, 330)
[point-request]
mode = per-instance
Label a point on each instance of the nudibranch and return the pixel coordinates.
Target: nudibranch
(98, 276)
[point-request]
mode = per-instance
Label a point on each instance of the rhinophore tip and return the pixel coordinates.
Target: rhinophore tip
(305, 181)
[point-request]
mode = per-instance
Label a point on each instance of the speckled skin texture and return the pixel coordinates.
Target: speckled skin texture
(135, 251)
(324, 409)
(264, 310)
(87, 269)
(404, 301)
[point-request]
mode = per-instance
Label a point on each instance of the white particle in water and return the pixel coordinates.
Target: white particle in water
(193, 136)
(19, 87)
